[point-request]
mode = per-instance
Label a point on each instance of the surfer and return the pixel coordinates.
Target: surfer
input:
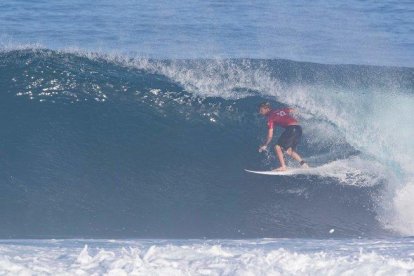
(290, 137)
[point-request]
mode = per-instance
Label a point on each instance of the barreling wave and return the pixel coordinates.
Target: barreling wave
(98, 145)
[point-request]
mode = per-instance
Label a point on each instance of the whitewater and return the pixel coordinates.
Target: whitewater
(126, 129)
(214, 257)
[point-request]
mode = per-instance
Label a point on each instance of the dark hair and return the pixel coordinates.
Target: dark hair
(264, 104)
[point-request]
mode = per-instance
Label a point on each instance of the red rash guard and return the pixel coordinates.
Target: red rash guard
(280, 117)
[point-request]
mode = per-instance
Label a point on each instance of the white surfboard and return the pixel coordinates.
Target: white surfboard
(294, 171)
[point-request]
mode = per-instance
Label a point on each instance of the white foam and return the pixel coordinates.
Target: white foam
(200, 257)
(355, 171)
(404, 210)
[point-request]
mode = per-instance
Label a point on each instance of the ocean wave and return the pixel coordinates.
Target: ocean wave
(127, 146)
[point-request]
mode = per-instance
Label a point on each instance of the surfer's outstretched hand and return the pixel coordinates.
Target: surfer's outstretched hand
(263, 148)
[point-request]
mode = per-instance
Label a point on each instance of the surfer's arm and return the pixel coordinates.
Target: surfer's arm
(269, 137)
(268, 140)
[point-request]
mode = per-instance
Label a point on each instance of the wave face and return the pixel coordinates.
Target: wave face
(96, 145)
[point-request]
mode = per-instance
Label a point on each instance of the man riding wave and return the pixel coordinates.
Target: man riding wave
(289, 139)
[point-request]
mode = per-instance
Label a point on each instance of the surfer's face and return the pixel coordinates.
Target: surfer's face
(264, 110)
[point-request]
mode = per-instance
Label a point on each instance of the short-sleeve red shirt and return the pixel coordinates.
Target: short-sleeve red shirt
(280, 117)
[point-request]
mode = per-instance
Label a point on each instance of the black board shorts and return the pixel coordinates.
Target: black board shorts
(290, 137)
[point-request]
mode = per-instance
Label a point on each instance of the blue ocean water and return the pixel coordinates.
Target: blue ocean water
(135, 119)
(362, 32)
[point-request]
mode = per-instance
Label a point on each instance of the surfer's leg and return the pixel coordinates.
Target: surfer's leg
(294, 154)
(297, 157)
(291, 144)
(279, 153)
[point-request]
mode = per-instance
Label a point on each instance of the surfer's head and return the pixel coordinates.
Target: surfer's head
(264, 108)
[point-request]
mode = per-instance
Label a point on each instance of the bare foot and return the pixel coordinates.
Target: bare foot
(305, 166)
(280, 169)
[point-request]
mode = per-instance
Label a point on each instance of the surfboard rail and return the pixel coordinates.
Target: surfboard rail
(293, 171)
